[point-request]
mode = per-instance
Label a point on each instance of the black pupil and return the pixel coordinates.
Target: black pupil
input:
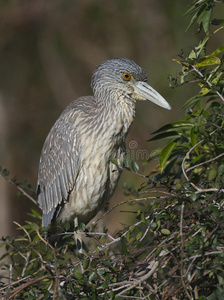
(126, 76)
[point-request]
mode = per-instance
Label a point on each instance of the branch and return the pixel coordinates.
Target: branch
(57, 285)
(20, 189)
(182, 251)
(20, 288)
(205, 162)
(206, 80)
(199, 190)
(143, 278)
(28, 253)
(126, 202)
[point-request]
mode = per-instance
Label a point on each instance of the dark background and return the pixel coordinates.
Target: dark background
(48, 51)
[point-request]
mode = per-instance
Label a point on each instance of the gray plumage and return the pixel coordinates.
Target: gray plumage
(76, 176)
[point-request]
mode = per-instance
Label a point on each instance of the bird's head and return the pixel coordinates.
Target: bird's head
(124, 76)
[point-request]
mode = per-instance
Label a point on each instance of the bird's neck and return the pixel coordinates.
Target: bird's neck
(119, 110)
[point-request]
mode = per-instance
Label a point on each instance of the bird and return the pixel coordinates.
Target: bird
(77, 176)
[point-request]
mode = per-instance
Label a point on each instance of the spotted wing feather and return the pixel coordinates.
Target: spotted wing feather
(59, 164)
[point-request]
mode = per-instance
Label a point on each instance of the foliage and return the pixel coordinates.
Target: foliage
(175, 248)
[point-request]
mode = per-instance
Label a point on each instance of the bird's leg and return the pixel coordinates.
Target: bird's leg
(78, 237)
(81, 247)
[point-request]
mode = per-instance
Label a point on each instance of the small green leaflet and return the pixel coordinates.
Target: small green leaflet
(165, 154)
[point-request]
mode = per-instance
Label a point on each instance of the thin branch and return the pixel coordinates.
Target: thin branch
(205, 162)
(20, 189)
(199, 190)
(10, 281)
(182, 251)
(20, 288)
(143, 278)
(206, 80)
(126, 202)
(205, 240)
(55, 265)
(26, 258)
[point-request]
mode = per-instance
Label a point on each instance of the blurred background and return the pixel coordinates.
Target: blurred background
(48, 51)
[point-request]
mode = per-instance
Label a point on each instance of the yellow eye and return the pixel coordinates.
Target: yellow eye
(126, 76)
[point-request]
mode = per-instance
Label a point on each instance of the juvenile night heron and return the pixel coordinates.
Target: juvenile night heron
(76, 176)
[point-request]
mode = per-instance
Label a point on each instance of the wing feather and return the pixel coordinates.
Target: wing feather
(59, 165)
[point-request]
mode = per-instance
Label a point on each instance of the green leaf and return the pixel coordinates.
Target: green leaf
(124, 250)
(212, 174)
(78, 275)
(202, 14)
(134, 167)
(221, 170)
(85, 264)
(66, 236)
(132, 240)
(92, 276)
(193, 19)
(180, 124)
(5, 172)
(194, 139)
(36, 214)
(165, 135)
(208, 61)
(111, 294)
(196, 52)
(217, 51)
(193, 196)
(217, 78)
(34, 226)
(154, 226)
(93, 263)
(192, 101)
(67, 225)
(158, 251)
(127, 161)
(82, 226)
(103, 239)
(204, 19)
(195, 7)
(165, 231)
(114, 160)
(165, 154)
(139, 235)
(204, 91)
(217, 22)
(36, 238)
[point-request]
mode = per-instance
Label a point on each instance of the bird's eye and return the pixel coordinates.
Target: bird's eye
(126, 76)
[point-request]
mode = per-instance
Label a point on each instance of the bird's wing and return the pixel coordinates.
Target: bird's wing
(59, 164)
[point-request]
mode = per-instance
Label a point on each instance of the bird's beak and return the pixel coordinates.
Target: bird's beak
(143, 91)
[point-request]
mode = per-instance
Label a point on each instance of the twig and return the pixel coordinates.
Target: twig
(55, 265)
(206, 239)
(161, 192)
(28, 253)
(10, 282)
(199, 190)
(160, 245)
(20, 189)
(126, 202)
(182, 251)
(205, 162)
(146, 231)
(20, 288)
(206, 80)
(143, 278)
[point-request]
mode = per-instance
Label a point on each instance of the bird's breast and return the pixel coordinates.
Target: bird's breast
(98, 176)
